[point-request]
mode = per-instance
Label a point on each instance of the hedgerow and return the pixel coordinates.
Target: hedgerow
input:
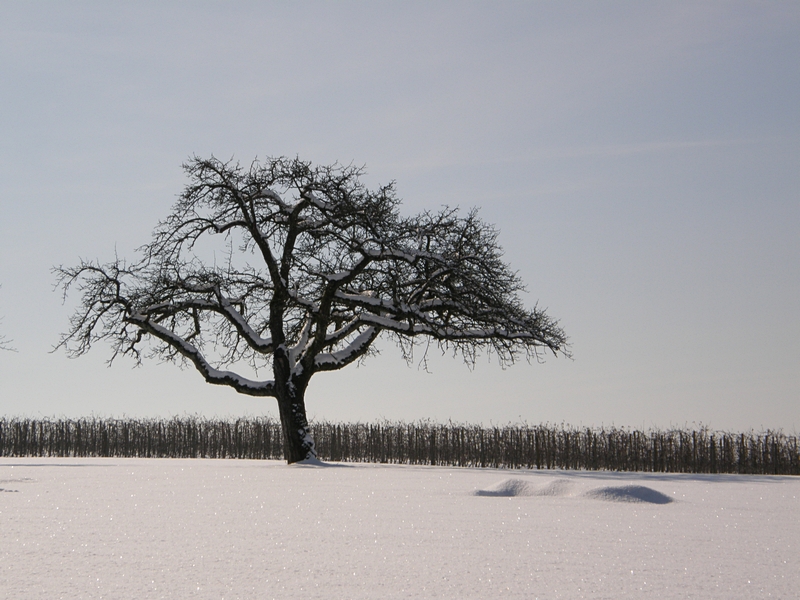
(421, 443)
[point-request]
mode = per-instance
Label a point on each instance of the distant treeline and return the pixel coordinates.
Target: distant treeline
(423, 443)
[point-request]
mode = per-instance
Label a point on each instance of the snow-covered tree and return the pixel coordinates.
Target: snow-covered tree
(315, 268)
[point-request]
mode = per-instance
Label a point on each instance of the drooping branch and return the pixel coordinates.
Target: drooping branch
(190, 352)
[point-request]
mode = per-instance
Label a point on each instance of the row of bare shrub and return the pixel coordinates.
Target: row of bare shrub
(423, 443)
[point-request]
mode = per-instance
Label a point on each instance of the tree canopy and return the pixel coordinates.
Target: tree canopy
(313, 268)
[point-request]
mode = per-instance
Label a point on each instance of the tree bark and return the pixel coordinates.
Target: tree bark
(297, 441)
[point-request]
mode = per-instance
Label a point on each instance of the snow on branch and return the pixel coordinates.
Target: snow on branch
(356, 349)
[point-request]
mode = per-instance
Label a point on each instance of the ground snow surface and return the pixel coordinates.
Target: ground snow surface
(139, 528)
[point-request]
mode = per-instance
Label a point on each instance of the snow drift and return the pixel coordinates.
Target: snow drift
(628, 493)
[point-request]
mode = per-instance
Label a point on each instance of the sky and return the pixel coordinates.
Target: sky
(640, 160)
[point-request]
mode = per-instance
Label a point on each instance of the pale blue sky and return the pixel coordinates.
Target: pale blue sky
(641, 159)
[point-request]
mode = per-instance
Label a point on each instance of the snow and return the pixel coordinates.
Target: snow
(342, 357)
(302, 344)
(337, 276)
(629, 493)
(157, 528)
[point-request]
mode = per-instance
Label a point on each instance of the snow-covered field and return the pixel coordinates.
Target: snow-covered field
(136, 528)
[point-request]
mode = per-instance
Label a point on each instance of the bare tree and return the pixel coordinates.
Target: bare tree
(5, 342)
(316, 267)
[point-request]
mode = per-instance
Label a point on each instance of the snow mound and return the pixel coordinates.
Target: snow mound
(520, 487)
(559, 487)
(629, 493)
(508, 487)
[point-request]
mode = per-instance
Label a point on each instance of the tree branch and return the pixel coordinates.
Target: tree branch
(209, 373)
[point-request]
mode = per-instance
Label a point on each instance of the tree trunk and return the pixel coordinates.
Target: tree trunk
(297, 441)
